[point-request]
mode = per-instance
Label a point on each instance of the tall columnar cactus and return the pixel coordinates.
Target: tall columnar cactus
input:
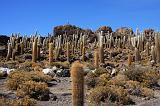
(137, 55)
(34, 51)
(147, 48)
(81, 47)
(73, 49)
(153, 56)
(22, 47)
(157, 48)
(101, 49)
(124, 42)
(38, 50)
(17, 47)
(44, 43)
(68, 53)
(129, 59)
(50, 53)
(13, 54)
(77, 76)
(9, 54)
(119, 43)
(83, 54)
(96, 58)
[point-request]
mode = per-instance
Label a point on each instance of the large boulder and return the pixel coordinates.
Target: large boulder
(3, 50)
(67, 29)
(3, 39)
(149, 33)
(3, 45)
(105, 29)
(92, 38)
(124, 30)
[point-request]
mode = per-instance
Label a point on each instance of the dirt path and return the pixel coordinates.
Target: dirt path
(62, 90)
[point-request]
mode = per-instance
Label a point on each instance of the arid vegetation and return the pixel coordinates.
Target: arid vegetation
(105, 67)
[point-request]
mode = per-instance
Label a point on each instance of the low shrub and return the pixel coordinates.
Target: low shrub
(26, 66)
(91, 80)
(118, 80)
(135, 73)
(109, 93)
(147, 76)
(150, 78)
(39, 76)
(26, 101)
(103, 79)
(133, 87)
(16, 78)
(100, 71)
(146, 92)
(36, 90)
(11, 64)
(65, 64)
(3, 101)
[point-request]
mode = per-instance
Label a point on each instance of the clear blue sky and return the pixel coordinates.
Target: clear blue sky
(27, 16)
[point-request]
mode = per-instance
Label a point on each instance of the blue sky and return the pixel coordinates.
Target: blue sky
(27, 16)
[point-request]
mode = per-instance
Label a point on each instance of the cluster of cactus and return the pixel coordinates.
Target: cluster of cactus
(77, 44)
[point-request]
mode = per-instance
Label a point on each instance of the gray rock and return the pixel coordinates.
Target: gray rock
(63, 73)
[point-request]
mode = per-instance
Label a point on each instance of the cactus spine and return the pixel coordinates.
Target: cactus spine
(77, 76)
